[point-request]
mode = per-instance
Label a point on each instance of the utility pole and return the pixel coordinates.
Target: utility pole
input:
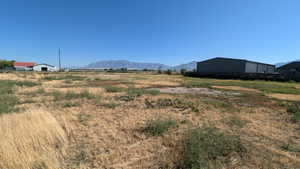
(59, 63)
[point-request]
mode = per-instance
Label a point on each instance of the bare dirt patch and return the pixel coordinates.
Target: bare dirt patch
(291, 97)
(237, 88)
(184, 90)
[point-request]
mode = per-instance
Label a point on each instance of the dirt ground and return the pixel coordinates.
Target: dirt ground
(102, 115)
(290, 97)
(237, 88)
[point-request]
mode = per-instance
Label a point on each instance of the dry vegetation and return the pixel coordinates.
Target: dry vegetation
(92, 120)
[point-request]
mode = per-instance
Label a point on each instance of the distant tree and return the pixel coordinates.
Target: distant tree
(169, 72)
(159, 70)
(182, 71)
(5, 63)
(123, 69)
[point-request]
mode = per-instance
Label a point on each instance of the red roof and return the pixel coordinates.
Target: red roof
(25, 64)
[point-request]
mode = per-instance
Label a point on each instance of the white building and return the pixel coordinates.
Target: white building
(44, 68)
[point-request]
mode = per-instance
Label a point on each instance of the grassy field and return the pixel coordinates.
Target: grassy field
(103, 120)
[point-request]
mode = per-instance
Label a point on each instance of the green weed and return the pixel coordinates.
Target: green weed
(158, 126)
(207, 147)
(113, 89)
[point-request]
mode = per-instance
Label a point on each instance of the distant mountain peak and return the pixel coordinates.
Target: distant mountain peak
(118, 64)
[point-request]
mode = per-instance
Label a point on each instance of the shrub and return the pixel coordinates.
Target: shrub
(69, 104)
(175, 103)
(207, 147)
(294, 110)
(234, 121)
(127, 98)
(110, 105)
(158, 126)
(113, 89)
(168, 72)
(58, 96)
(182, 71)
(139, 92)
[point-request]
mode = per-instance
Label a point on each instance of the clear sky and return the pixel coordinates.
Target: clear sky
(165, 31)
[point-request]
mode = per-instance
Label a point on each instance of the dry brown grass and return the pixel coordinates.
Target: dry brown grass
(92, 136)
(31, 140)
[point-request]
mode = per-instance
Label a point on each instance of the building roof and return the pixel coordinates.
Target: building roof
(290, 64)
(243, 60)
(45, 64)
(25, 64)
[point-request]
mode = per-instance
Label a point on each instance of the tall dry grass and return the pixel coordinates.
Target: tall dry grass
(31, 140)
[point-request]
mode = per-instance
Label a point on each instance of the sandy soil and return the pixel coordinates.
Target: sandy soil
(237, 88)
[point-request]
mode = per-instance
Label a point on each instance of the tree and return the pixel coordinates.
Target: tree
(169, 72)
(159, 70)
(5, 63)
(182, 71)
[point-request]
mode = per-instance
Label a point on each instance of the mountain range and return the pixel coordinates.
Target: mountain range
(118, 64)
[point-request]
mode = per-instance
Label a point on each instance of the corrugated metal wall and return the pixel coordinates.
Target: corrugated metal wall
(219, 65)
(252, 67)
(224, 65)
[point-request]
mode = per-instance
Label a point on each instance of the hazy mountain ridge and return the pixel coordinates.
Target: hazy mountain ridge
(117, 64)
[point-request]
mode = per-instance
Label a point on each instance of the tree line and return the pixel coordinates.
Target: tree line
(6, 64)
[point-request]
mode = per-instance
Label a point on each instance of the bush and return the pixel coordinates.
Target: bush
(109, 105)
(58, 96)
(113, 89)
(207, 147)
(294, 110)
(139, 92)
(235, 121)
(182, 71)
(175, 103)
(127, 98)
(168, 72)
(158, 126)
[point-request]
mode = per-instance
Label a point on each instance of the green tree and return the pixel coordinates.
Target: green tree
(5, 63)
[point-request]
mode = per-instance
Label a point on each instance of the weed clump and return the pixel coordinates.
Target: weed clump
(175, 103)
(113, 89)
(294, 111)
(207, 147)
(158, 126)
(235, 121)
(58, 96)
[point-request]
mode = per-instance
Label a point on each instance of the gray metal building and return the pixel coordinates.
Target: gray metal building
(292, 66)
(233, 66)
(290, 71)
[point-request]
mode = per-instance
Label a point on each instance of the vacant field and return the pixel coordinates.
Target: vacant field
(125, 121)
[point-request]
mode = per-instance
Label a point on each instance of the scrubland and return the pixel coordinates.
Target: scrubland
(88, 120)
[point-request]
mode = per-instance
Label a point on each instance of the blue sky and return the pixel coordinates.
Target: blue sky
(166, 31)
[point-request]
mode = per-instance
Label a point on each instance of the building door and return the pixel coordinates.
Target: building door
(44, 69)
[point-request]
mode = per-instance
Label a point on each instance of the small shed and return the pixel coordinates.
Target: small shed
(44, 68)
(233, 66)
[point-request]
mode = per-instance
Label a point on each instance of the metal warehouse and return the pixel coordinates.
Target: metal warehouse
(228, 66)
(290, 71)
(44, 68)
(292, 66)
